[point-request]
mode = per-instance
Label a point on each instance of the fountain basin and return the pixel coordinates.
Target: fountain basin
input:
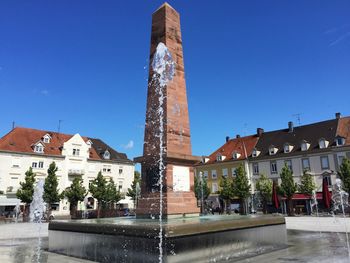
(197, 239)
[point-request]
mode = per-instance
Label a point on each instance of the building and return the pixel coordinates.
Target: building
(74, 156)
(318, 148)
(225, 160)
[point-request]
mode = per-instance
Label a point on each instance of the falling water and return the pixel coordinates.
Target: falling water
(37, 210)
(340, 202)
(314, 203)
(164, 71)
(17, 211)
(202, 195)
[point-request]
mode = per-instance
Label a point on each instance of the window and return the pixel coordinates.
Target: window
(272, 150)
(214, 187)
(255, 168)
(304, 146)
(255, 153)
(328, 179)
(39, 148)
(273, 166)
(234, 173)
(324, 162)
(306, 164)
(287, 148)
(340, 141)
(214, 174)
(106, 170)
(289, 164)
(34, 164)
(120, 170)
(236, 155)
(120, 185)
(41, 164)
(76, 152)
(340, 159)
(322, 143)
(219, 157)
(205, 173)
(106, 155)
(225, 172)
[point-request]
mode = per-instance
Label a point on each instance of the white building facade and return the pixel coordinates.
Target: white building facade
(74, 156)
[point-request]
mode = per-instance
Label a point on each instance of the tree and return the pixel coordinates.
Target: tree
(344, 174)
(198, 188)
(264, 186)
(74, 193)
(288, 187)
(98, 188)
(51, 194)
(132, 190)
(26, 191)
(307, 186)
(226, 191)
(241, 188)
(111, 195)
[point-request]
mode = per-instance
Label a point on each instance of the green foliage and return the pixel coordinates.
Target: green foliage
(51, 194)
(25, 193)
(111, 195)
(264, 186)
(307, 184)
(287, 187)
(198, 188)
(241, 186)
(132, 190)
(226, 189)
(75, 192)
(105, 192)
(98, 187)
(344, 174)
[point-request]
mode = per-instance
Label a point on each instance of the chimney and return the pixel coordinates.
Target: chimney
(290, 126)
(259, 131)
(227, 138)
(337, 115)
(238, 136)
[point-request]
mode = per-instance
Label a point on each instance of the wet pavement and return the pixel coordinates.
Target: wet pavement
(302, 247)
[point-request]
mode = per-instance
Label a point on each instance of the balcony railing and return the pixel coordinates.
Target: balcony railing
(78, 172)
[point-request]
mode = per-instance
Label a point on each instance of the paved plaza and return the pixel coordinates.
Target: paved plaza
(20, 243)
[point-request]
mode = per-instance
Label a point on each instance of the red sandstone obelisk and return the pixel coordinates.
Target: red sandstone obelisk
(178, 175)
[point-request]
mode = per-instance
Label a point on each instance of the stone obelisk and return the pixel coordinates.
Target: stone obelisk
(178, 174)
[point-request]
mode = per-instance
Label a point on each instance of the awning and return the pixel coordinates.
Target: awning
(299, 196)
(5, 201)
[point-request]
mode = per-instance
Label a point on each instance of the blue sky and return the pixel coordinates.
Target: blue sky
(248, 64)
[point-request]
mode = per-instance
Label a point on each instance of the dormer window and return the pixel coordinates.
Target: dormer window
(323, 143)
(304, 146)
(89, 142)
(236, 155)
(46, 138)
(340, 141)
(76, 152)
(106, 155)
(39, 148)
(205, 159)
(220, 157)
(287, 148)
(255, 153)
(272, 150)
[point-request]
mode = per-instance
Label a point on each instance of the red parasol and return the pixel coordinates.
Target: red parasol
(274, 196)
(326, 195)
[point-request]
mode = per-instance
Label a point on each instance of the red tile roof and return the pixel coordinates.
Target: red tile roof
(23, 139)
(343, 129)
(235, 145)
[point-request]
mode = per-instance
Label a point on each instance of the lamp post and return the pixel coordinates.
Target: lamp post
(201, 184)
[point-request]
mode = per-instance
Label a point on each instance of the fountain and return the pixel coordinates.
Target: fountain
(167, 226)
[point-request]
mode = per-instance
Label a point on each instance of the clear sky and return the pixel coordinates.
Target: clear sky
(248, 64)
